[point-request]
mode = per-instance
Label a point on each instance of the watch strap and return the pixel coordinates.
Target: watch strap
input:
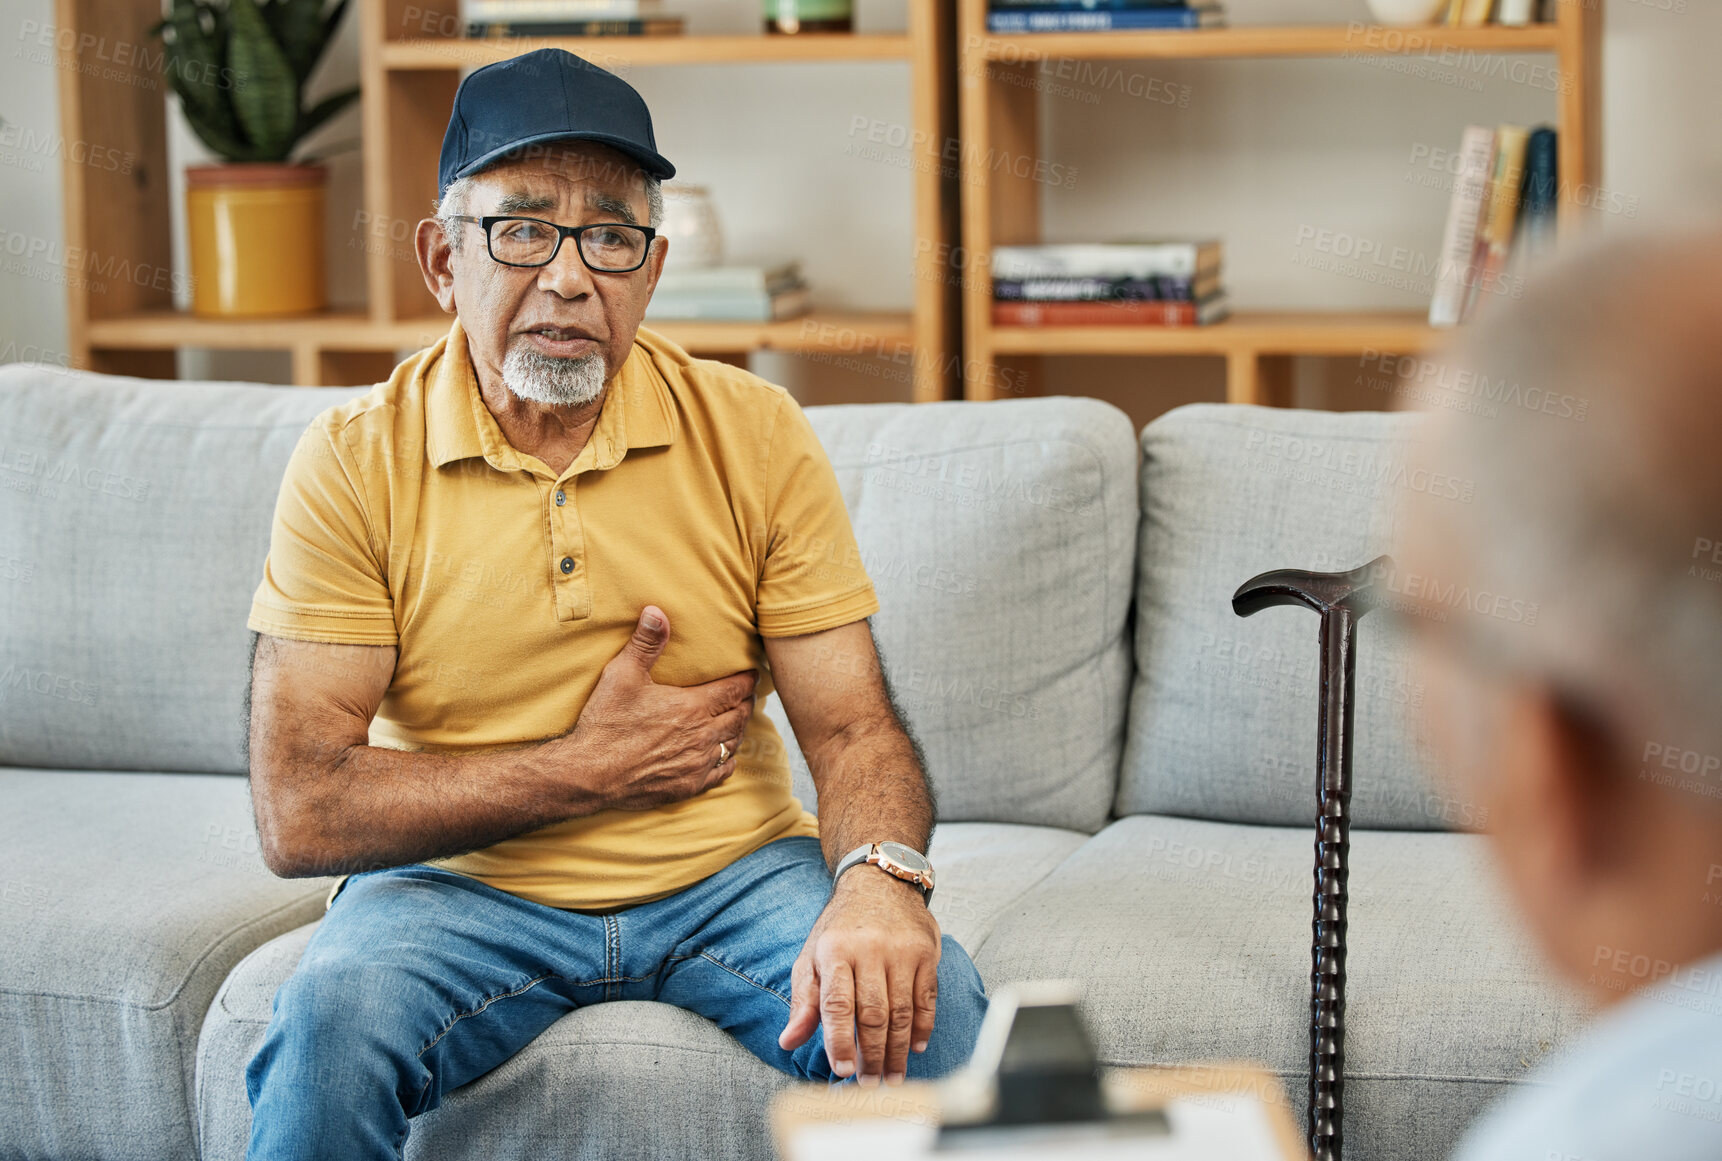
(862, 854)
(853, 859)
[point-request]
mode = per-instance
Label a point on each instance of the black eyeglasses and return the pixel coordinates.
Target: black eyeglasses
(606, 247)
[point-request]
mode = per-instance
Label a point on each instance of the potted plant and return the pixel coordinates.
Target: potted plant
(255, 223)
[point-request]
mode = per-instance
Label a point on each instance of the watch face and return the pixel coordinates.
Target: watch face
(906, 857)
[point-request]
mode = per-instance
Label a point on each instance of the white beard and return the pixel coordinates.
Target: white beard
(559, 382)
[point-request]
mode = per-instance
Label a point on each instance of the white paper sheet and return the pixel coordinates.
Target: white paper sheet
(1217, 1127)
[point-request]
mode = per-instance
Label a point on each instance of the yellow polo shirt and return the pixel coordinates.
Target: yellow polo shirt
(406, 518)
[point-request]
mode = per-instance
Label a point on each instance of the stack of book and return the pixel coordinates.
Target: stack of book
(730, 293)
(1473, 13)
(568, 18)
(1501, 217)
(1008, 16)
(1131, 283)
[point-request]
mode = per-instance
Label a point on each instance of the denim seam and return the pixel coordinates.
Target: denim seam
(487, 1002)
(706, 954)
(612, 953)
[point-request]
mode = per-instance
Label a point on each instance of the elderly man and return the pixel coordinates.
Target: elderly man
(1592, 733)
(519, 605)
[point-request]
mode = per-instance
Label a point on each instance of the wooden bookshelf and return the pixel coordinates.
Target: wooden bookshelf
(443, 53)
(410, 64)
(327, 346)
(1264, 41)
(1000, 208)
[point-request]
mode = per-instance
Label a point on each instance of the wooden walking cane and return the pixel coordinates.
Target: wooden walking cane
(1341, 598)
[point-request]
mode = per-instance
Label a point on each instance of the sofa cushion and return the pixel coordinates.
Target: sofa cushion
(1193, 941)
(124, 902)
(999, 537)
(665, 1082)
(134, 519)
(1223, 709)
(629, 1078)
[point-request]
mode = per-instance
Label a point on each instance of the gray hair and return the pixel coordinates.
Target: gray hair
(1598, 477)
(455, 199)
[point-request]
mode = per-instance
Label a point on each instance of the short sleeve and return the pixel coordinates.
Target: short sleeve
(811, 575)
(323, 580)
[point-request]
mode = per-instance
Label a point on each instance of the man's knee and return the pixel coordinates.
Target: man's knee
(339, 1020)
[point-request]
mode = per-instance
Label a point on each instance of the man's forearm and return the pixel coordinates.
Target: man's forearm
(871, 789)
(370, 807)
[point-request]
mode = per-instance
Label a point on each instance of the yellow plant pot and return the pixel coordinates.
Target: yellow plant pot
(255, 232)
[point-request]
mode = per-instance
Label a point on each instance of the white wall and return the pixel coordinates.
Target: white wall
(1260, 153)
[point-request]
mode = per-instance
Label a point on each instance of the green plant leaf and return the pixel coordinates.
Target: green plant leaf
(239, 68)
(298, 28)
(192, 63)
(193, 58)
(265, 91)
(221, 143)
(323, 110)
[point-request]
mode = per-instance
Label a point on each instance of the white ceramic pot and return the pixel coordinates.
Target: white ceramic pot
(1406, 11)
(691, 225)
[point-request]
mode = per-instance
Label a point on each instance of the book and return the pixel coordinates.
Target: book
(1535, 238)
(735, 279)
(544, 10)
(730, 306)
(1093, 5)
(1499, 213)
(1160, 288)
(1120, 313)
(1102, 20)
(1454, 271)
(652, 26)
(1475, 13)
(1516, 12)
(1130, 258)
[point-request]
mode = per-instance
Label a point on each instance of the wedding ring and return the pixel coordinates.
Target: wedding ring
(723, 753)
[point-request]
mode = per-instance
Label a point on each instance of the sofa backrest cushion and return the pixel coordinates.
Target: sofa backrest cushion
(134, 521)
(1000, 538)
(1223, 709)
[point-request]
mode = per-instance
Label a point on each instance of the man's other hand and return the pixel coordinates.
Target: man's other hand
(655, 743)
(870, 972)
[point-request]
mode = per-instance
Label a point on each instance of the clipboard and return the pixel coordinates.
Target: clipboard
(1034, 1091)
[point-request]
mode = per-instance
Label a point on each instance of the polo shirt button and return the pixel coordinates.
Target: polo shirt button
(560, 498)
(567, 565)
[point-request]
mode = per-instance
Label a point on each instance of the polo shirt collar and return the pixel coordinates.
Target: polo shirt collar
(636, 411)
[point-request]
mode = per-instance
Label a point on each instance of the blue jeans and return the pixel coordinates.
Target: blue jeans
(420, 980)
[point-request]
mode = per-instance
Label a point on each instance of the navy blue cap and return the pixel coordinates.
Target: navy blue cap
(540, 97)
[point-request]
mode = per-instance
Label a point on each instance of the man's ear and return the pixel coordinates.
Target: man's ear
(1559, 816)
(435, 258)
(1594, 787)
(660, 249)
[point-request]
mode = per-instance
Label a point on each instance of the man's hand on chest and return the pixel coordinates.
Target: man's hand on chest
(660, 743)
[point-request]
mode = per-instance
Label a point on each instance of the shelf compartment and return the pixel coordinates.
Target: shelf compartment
(354, 330)
(1258, 346)
(1314, 40)
(348, 346)
(621, 51)
(1255, 332)
(338, 329)
(841, 332)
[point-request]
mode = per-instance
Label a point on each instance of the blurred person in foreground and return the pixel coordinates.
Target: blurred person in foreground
(1592, 427)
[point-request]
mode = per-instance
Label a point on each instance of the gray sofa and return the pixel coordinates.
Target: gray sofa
(1123, 771)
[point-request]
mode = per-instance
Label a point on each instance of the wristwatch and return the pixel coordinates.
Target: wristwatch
(905, 862)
